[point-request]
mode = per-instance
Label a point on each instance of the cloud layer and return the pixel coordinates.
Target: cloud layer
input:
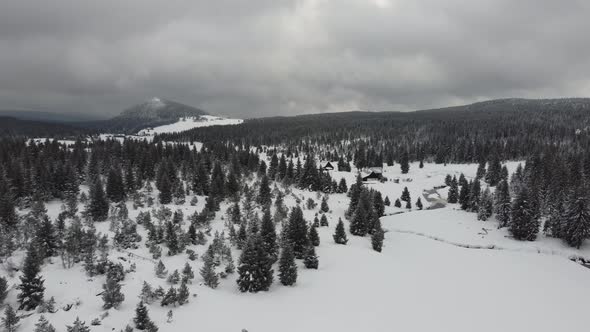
(281, 57)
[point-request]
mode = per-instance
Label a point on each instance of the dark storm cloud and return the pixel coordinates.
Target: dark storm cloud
(266, 57)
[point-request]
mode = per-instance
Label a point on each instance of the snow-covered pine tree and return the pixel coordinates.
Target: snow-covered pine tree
(43, 325)
(340, 233)
(269, 235)
(419, 204)
(311, 259)
(502, 204)
(208, 272)
(577, 219)
(161, 271)
(98, 207)
(523, 224)
(314, 237)
(377, 236)
(112, 295)
(287, 266)
(78, 326)
(115, 187)
(486, 205)
(255, 270)
(31, 286)
(183, 293)
(10, 319)
(141, 318)
(453, 196)
(170, 297)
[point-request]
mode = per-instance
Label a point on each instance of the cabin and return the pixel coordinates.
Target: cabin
(328, 167)
(372, 176)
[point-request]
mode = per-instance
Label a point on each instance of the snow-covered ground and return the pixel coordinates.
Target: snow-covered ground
(422, 281)
(188, 123)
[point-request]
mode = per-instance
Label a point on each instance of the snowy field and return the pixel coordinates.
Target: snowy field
(422, 281)
(188, 123)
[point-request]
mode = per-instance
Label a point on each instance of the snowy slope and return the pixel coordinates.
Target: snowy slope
(420, 282)
(188, 123)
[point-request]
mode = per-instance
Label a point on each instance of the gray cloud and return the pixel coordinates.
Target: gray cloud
(278, 57)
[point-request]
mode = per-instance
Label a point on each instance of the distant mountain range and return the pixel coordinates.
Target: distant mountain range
(151, 113)
(157, 112)
(48, 116)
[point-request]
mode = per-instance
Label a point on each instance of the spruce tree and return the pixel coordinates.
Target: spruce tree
(296, 232)
(397, 203)
(183, 293)
(10, 319)
(255, 271)
(46, 238)
(324, 221)
(78, 326)
(464, 196)
(311, 259)
(287, 266)
(314, 237)
(115, 187)
(486, 206)
(577, 219)
(43, 325)
(3, 289)
(419, 204)
(523, 224)
(99, 206)
(161, 270)
(141, 318)
(169, 298)
(405, 163)
(377, 237)
(453, 196)
(208, 272)
(269, 235)
(324, 206)
(165, 196)
(405, 195)
(387, 202)
(31, 287)
(112, 295)
(340, 233)
(264, 197)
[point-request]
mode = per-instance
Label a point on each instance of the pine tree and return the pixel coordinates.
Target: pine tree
(397, 203)
(208, 272)
(296, 232)
(405, 195)
(311, 259)
(183, 293)
(464, 196)
(354, 193)
(46, 238)
(377, 237)
(324, 221)
(419, 204)
(314, 237)
(3, 289)
(165, 190)
(359, 223)
(287, 266)
(115, 186)
(474, 195)
(141, 318)
(78, 326)
(99, 206)
(523, 224)
(340, 233)
(577, 219)
(174, 277)
(161, 270)
(264, 197)
(324, 206)
(404, 163)
(269, 235)
(31, 287)
(147, 294)
(387, 202)
(342, 187)
(111, 295)
(187, 272)
(170, 297)
(503, 204)
(43, 325)
(255, 271)
(10, 319)
(453, 196)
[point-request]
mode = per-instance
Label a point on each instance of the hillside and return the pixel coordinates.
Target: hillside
(151, 113)
(10, 126)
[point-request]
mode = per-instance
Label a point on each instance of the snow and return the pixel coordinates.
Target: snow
(188, 123)
(426, 278)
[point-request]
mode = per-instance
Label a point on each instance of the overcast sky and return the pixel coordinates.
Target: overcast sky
(252, 58)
